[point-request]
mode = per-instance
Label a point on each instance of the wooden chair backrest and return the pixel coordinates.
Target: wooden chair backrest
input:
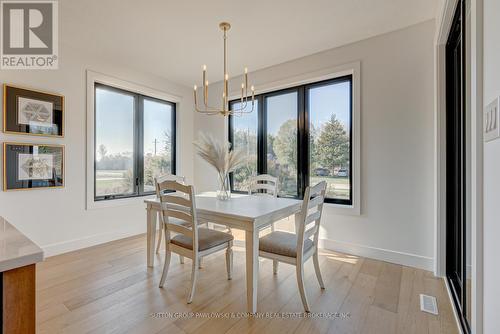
(312, 208)
(169, 177)
(179, 205)
(263, 184)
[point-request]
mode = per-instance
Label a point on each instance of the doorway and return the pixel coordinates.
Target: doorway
(457, 221)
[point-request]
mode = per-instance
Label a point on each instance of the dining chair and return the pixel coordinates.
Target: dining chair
(264, 185)
(178, 214)
(297, 248)
(159, 179)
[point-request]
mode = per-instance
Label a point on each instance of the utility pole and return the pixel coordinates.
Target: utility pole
(155, 142)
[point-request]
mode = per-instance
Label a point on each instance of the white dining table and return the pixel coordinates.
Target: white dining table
(244, 212)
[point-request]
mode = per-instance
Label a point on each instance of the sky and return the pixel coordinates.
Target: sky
(114, 122)
(323, 102)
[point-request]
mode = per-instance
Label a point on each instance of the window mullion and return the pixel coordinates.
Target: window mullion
(302, 143)
(262, 136)
(139, 145)
(173, 140)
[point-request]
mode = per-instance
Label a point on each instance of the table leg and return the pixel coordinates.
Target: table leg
(151, 233)
(297, 222)
(252, 259)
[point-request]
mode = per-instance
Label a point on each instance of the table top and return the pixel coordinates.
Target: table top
(16, 250)
(241, 206)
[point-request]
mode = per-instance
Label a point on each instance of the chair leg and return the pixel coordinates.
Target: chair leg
(229, 261)
(159, 238)
(165, 267)
(300, 281)
(194, 276)
(181, 259)
(317, 270)
(275, 267)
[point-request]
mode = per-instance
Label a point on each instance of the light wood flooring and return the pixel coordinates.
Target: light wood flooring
(108, 289)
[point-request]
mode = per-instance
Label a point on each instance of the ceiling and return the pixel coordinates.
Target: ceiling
(174, 39)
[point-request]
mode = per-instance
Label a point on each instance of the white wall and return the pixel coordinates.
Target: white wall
(56, 219)
(396, 221)
(491, 173)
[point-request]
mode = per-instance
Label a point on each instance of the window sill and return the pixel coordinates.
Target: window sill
(132, 201)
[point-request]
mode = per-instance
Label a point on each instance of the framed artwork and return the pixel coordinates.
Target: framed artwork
(31, 112)
(31, 166)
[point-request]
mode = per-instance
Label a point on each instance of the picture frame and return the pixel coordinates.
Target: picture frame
(32, 166)
(32, 112)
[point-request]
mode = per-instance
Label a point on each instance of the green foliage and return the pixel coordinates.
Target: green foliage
(313, 151)
(154, 166)
(270, 145)
(245, 140)
(328, 146)
(285, 144)
(168, 142)
(332, 146)
(242, 174)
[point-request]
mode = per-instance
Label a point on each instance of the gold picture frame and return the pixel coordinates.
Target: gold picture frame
(12, 96)
(11, 179)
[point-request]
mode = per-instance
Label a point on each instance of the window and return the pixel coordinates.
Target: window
(302, 135)
(244, 137)
(329, 108)
(134, 142)
(281, 141)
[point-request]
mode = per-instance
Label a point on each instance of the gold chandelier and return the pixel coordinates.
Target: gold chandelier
(205, 109)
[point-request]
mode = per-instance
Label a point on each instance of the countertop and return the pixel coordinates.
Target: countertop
(16, 249)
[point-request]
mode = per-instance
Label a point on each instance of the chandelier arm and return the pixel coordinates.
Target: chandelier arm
(241, 110)
(208, 111)
(205, 112)
(207, 108)
(244, 104)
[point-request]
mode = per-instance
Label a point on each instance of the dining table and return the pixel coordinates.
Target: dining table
(245, 212)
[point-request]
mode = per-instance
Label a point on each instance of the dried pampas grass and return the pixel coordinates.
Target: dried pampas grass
(219, 154)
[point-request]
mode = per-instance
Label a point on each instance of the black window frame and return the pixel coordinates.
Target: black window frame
(138, 141)
(303, 132)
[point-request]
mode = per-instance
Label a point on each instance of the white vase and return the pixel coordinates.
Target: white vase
(224, 187)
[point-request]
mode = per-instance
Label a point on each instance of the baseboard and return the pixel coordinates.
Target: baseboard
(406, 259)
(93, 240)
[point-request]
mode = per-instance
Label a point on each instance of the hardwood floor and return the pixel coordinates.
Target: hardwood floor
(107, 289)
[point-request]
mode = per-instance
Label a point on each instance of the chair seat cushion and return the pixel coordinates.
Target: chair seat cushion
(282, 243)
(207, 239)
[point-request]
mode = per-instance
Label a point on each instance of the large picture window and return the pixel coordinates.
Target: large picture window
(134, 142)
(301, 135)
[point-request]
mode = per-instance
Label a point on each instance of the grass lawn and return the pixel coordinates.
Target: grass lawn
(338, 187)
(111, 182)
